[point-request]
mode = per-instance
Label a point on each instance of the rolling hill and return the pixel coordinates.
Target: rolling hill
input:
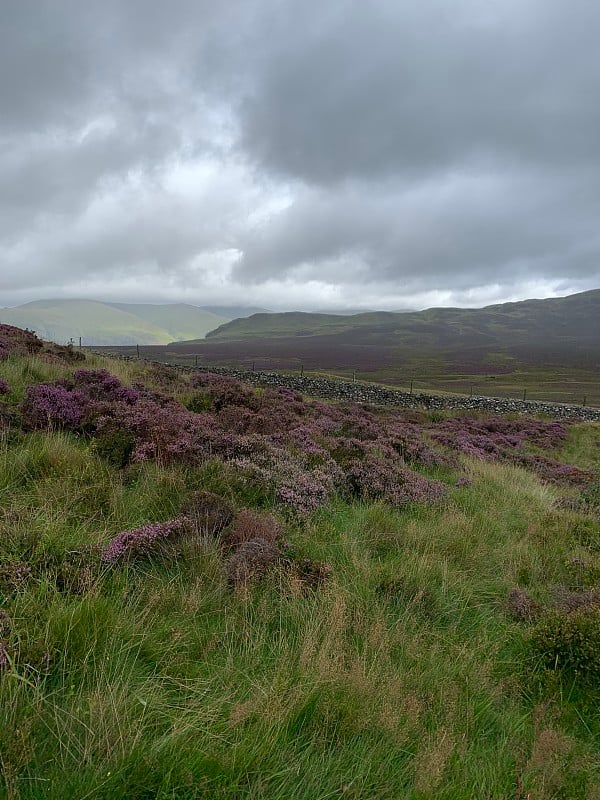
(112, 323)
(572, 320)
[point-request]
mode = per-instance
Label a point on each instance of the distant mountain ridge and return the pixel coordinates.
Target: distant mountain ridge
(107, 324)
(573, 320)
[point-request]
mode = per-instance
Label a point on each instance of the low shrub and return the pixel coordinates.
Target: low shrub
(209, 514)
(569, 644)
(116, 446)
(250, 560)
(250, 524)
(48, 406)
(521, 606)
(143, 542)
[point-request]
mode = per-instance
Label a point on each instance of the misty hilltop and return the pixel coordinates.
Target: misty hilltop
(564, 321)
(100, 323)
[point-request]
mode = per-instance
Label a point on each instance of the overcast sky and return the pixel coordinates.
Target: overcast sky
(299, 154)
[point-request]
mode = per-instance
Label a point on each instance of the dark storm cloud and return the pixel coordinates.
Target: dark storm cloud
(279, 151)
(379, 88)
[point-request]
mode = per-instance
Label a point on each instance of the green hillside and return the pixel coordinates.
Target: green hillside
(299, 323)
(573, 319)
(111, 323)
(177, 318)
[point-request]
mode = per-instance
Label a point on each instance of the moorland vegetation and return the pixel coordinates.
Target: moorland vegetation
(212, 591)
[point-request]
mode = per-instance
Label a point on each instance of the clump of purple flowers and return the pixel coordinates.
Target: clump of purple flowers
(494, 437)
(500, 439)
(4, 387)
(49, 406)
(144, 541)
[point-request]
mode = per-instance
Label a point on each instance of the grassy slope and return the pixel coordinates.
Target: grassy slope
(404, 678)
(108, 323)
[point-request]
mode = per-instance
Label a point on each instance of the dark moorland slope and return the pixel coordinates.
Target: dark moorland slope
(567, 323)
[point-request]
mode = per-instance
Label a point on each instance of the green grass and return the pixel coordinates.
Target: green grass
(403, 677)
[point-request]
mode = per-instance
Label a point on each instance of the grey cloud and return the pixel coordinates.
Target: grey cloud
(448, 232)
(394, 87)
(353, 149)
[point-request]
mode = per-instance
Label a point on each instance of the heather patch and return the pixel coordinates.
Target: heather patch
(521, 606)
(250, 524)
(208, 513)
(514, 441)
(143, 542)
(50, 407)
(17, 342)
(567, 600)
(297, 453)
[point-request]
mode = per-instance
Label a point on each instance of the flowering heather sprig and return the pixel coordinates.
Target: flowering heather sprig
(378, 478)
(99, 384)
(52, 406)
(142, 542)
(4, 387)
